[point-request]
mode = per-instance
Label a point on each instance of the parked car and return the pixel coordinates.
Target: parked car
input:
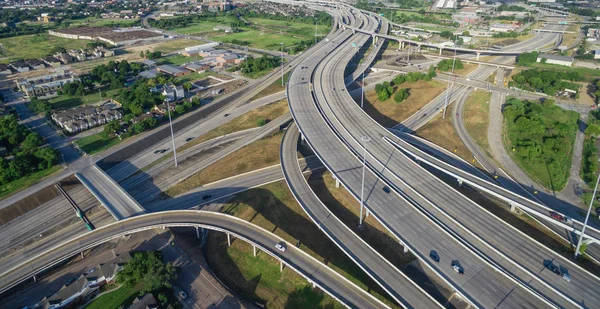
(280, 246)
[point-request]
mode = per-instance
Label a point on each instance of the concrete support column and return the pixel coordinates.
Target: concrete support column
(34, 278)
(281, 265)
(460, 182)
(302, 139)
(337, 182)
(419, 47)
(405, 249)
(478, 55)
(513, 207)
(197, 233)
(401, 44)
(228, 240)
(254, 249)
(440, 51)
(82, 255)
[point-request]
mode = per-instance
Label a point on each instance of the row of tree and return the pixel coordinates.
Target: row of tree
(447, 64)
(257, 65)
(546, 81)
(25, 146)
(387, 89)
(114, 73)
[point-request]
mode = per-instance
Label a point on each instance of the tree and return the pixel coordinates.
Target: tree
(48, 157)
(31, 142)
(111, 128)
(142, 55)
(466, 33)
(187, 86)
(261, 122)
(401, 95)
(149, 268)
(592, 130)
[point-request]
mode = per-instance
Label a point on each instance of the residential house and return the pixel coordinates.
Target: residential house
(64, 58)
(52, 61)
(147, 301)
(45, 85)
(5, 69)
(20, 66)
(197, 67)
(36, 64)
(226, 59)
(85, 117)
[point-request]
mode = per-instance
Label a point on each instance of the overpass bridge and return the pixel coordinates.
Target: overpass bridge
(315, 272)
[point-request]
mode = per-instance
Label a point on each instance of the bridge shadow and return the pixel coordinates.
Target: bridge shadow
(374, 234)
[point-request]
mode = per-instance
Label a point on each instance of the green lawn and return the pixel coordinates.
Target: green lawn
(587, 72)
(204, 26)
(35, 46)
(176, 60)
(292, 28)
(65, 102)
(96, 143)
(540, 139)
(27, 181)
(260, 39)
(122, 297)
(96, 22)
(193, 77)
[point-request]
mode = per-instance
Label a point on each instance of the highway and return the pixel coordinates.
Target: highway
(493, 243)
(391, 279)
(311, 269)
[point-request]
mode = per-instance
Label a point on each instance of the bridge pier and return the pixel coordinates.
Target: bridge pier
(197, 232)
(513, 207)
(460, 182)
(302, 139)
(405, 249)
(401, 44)
(478, 56)
(440, 51)
(419, 47)
(34, 278)
(254, 250)
(82, 255)
(228, 240)
(280, 265)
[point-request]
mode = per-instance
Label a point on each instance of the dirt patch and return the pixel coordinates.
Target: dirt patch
(441, 132)
(390, 113)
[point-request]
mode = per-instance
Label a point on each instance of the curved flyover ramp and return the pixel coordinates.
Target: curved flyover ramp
(314, 271)
(390, 278)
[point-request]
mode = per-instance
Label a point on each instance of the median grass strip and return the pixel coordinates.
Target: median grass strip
(274, 208)
(65, 101)
(476, 117)
(259, 154)
(389, 113)
(96, 142)
(273, 88)
(246, 121)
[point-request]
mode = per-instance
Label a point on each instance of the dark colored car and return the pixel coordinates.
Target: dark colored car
(206, 197)
(386, 189)
(189, 139)
(226, 115)
(434, 256)
(553, 268)
(157, 151)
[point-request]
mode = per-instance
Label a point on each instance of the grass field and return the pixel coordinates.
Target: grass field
(590, 74)
(205, 26)
(95, 143)
(175, 60)
(243, 122)
(274, 208)
(390, 113)
(120, 298)
(35, 46)
(476, 118)
(259, 154)
(65, 102)
(272, 88)
(27, 181)
(96, 22)
(259, 39)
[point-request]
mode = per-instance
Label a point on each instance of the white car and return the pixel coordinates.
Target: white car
(458, 269)
(280, 247)
(182, 295)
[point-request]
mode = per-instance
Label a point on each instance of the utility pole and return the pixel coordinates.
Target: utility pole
(172, 135)
(365, 139)
(281, 63)
(587, 217)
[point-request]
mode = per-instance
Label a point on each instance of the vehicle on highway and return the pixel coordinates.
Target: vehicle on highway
(386, 189)
(280, 246)
(157, 151)
(434, 256)
(206, 196)
(182, 294)
(557, 216)
(71, 280)
(189, 139)
(226, 115)
(553, 268)
(566, 277)
(91, 270)
(458, 269)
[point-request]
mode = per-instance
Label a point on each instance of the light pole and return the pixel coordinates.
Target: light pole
(281, 63)
(447, 88)
(587, 217)
(365, 139)
(172, 135)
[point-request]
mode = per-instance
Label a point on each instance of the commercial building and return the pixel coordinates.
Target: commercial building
(556, 59)
(503, 27)
(172, 70)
